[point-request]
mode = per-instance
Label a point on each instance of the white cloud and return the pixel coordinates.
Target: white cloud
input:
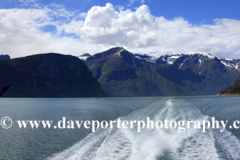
(21, 32)
(139, 31)
(28, 1)
(131, 2)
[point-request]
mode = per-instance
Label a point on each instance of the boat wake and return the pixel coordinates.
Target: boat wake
(154, 144)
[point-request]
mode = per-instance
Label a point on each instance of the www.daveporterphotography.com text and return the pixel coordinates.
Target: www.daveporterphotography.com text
(181, 126)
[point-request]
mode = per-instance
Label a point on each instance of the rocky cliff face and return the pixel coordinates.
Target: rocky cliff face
(48, 75)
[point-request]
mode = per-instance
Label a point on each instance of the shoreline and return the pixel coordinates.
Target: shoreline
(228, 94)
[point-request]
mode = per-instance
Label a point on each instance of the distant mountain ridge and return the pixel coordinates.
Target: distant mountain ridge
(233, 63)
(122, 73)
(48, 75)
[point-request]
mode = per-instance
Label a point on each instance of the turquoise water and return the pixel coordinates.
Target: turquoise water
(117, 143)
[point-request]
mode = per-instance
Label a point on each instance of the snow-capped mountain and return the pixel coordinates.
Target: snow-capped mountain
(199, 57)
(231, 62)
(122, 73)
(179, 59)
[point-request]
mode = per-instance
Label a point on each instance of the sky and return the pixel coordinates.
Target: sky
(153, 27)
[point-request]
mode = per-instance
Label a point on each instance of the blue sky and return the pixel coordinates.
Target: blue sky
(195, 11)
(147, 26)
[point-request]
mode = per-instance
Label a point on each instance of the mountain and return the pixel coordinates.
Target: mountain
(233, 63)
(48, 75)
(4, 57)
(122, 73)
(232, 90)
(197, 73)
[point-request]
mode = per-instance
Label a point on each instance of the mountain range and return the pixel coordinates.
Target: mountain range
(117, 72)
(122, 73)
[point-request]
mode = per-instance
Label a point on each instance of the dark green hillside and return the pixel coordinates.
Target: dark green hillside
(48, 75)
(232, 90)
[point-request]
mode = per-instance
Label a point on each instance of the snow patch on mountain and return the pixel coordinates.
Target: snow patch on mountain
(231, 62)
(119, 52)
(201, 56)
(85, 56)
(182, 63)
(146, 57)
(208, 55)
(152, 59)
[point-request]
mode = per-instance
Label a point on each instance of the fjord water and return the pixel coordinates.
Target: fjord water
(150, 144)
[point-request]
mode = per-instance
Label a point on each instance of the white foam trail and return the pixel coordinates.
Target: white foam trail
(152, 144)
(156, 143)
(228, 144)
